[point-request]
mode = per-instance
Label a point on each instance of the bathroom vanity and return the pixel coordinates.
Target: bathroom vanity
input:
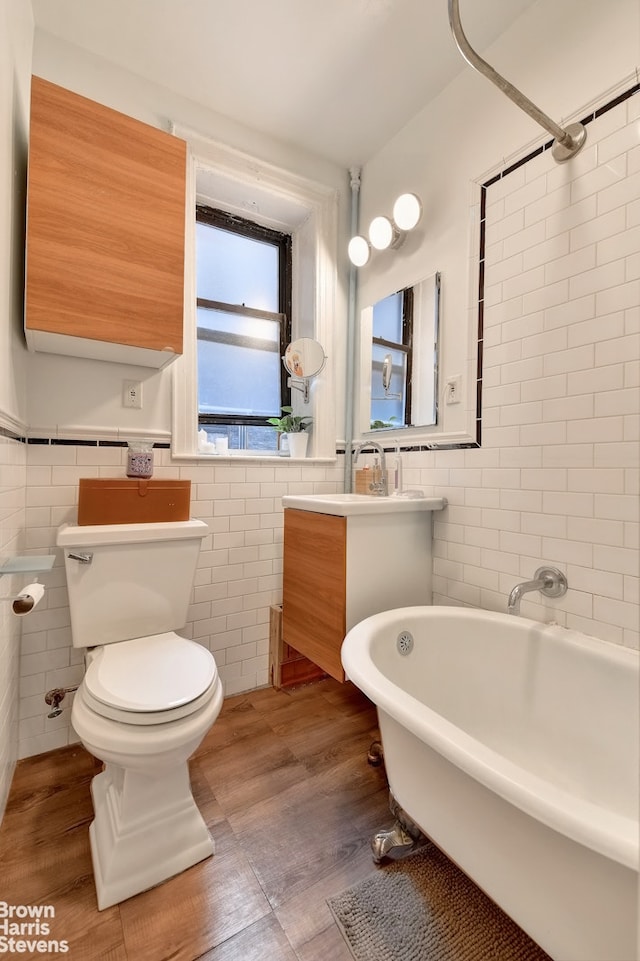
(347, 556)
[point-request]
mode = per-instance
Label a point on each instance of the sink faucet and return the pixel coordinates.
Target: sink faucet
(379, 486)
(548, 580)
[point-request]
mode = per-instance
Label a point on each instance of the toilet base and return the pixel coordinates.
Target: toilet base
(145, 830)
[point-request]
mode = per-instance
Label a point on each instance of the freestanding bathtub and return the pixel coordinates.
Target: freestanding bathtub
(514, 746)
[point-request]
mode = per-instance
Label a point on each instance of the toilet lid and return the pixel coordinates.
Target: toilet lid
(150, 674)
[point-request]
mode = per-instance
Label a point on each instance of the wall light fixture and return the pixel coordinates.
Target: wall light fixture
(385, 233)
(359, 251)
(407, 211)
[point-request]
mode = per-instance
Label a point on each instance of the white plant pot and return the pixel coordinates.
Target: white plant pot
(298, 444)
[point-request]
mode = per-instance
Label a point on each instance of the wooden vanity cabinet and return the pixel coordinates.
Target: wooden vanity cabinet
(339, 570)
(105, 232)
(314, 587)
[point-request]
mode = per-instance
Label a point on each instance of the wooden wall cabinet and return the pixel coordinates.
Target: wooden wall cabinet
(339, 570)
(105, 232)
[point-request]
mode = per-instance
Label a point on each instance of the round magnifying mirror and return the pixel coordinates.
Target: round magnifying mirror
(304, 357)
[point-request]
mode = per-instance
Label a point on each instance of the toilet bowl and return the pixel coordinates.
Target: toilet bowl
(146, 700)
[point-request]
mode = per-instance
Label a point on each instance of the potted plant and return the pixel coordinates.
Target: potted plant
(380, 424)
(295, 427)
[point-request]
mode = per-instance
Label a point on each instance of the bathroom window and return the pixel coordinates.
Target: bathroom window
(391, 360)
(222, 178)
(243, 279)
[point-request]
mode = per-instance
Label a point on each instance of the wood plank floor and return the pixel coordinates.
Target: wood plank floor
(283, 783)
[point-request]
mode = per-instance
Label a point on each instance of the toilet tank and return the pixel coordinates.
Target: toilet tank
(131, 580)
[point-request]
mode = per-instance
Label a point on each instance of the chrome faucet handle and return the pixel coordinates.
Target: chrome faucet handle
(378, 487)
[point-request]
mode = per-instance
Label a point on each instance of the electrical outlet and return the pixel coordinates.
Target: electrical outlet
(132, 393)
(453, 389)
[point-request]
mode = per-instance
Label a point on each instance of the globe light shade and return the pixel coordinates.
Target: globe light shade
(407, 211)
(381, 233)
(359, 251)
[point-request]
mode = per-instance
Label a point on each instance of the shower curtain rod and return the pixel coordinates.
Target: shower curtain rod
(568, 141)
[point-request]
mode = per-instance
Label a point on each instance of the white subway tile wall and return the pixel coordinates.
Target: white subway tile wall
(238, 578)
(12, 525)
(555, 481)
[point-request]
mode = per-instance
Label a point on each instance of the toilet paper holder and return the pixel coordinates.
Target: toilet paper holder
(26, 600)
(32, 594)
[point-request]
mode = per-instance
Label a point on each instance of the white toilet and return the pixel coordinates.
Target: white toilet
(147, 699)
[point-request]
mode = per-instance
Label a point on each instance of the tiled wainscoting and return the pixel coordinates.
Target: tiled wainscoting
(13, 459)
(239, 574)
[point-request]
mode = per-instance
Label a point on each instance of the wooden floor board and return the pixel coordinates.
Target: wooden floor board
(305, 917)
(199, 909)
(329, 945)
(262, 941)
(284, 787)
(239, 781)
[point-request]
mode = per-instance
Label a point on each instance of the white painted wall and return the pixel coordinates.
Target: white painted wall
(69, 392)
(561, 54)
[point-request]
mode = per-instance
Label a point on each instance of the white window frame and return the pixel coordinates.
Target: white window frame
(223, 177)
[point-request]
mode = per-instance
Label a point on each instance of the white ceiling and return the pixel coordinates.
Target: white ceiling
(337, 78)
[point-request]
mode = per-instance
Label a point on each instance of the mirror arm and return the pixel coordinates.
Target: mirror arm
(303, 356)
(302, 385)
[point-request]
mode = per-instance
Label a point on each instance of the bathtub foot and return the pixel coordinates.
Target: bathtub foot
(395, 841)
(375, 757)
(404, 836)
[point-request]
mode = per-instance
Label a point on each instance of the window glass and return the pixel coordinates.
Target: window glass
(388, 386)
(392, 361)
(239, 367)
(243, 325)
(236, 270)
(244, 329)
(387, 318)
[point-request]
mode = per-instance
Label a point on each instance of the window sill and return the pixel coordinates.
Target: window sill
(250, 456)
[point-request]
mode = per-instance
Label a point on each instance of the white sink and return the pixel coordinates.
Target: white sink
(347, 504)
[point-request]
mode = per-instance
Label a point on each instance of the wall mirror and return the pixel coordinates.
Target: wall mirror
(303, 358)
(400, 358)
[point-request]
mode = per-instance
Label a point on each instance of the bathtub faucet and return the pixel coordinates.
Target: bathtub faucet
(548, 580)
(379, 485)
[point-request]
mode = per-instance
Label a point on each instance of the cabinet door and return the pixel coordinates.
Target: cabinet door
(314, 587)
(105, 231)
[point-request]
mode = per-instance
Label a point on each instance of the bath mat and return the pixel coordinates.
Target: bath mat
(423, 908)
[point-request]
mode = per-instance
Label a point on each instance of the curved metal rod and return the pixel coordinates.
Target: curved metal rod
(568, 142)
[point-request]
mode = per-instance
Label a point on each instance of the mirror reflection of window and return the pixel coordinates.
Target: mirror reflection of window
(391, 360)
(243, 324)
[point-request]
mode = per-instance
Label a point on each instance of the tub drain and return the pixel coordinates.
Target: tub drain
(404, 642)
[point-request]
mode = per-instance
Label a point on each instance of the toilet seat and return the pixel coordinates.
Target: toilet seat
(149, 680)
